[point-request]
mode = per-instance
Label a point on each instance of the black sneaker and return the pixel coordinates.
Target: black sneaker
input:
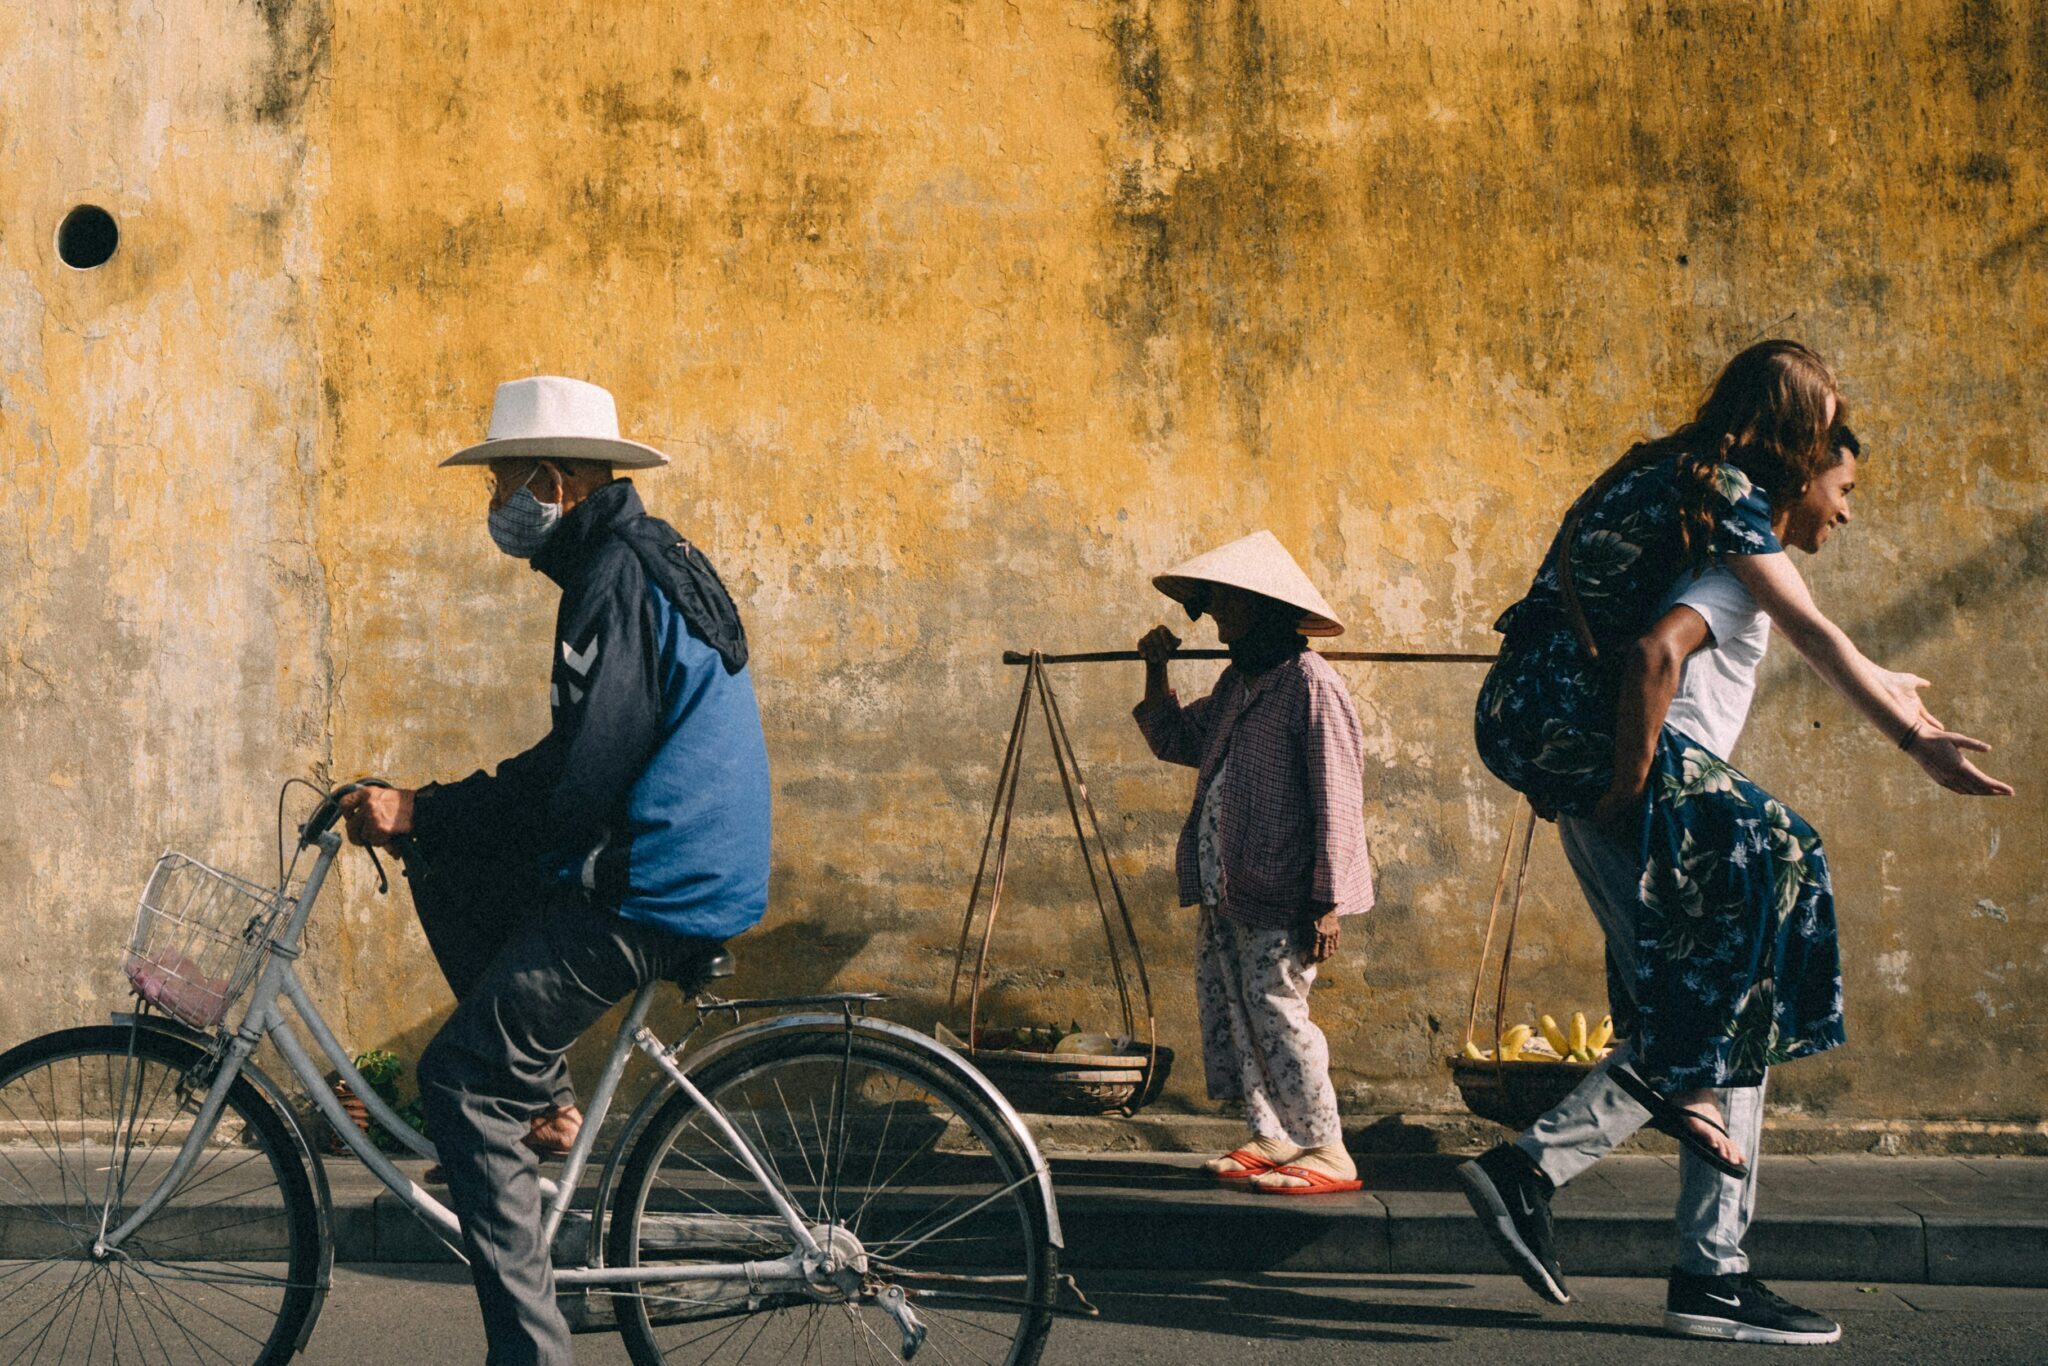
(1740, 1308)
(1512, 1199)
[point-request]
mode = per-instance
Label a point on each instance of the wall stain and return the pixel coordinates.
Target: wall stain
(1212, 204)
(1983, 44)
(299, 34)
(1392, 279)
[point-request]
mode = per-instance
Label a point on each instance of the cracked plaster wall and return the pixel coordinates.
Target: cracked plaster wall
(961, 319)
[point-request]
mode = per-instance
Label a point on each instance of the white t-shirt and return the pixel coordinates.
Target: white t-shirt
(1719, 681)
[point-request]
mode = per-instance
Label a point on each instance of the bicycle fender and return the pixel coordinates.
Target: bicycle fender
(910, 1038)
(323, 1199)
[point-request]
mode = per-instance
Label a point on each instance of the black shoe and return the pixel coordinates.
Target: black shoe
(1740, 1308)
(1512, 1199)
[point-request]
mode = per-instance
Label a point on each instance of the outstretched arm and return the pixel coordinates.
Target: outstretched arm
(1890, 701)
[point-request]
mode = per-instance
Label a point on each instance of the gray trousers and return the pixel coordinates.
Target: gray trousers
(1713, 1210)
(497, 1063)
(469, 910)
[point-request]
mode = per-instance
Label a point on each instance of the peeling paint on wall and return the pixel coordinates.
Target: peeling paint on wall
(961, 320)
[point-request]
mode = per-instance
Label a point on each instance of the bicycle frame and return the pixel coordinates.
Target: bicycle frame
(279, 983)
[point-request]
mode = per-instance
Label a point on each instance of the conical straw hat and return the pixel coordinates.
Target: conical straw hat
(1257, 564)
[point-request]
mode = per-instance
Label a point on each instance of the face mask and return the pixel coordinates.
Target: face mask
(522, 526)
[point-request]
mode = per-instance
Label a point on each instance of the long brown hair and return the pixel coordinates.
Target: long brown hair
(1767, 415)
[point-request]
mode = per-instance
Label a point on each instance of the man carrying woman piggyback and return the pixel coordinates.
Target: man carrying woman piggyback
(1624, 679)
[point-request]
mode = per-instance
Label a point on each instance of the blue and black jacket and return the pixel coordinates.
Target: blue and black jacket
(650, 790)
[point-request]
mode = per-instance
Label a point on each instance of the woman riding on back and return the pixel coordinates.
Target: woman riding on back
(1623, 681)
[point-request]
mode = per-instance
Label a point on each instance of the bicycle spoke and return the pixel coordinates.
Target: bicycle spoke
(791, 1117)
(178, 1322)
(219, 1285)
(983, 1204)
(729, 1331)
(53, 1303)
(944, 1209)
(195, 1304)
(753, 1341)
(926, 1147)
(767, 1152)
(223, 1266)
(224, 1277)
(65, 1299)
(881, 1146)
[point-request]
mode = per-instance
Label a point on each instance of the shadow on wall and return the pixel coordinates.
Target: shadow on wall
(1993, 576)
(782, 958)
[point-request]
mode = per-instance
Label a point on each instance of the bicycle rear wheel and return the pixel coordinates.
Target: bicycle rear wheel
(224, 1271)
(868, 1136)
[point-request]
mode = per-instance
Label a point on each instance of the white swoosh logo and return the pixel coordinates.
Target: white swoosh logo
(1718, 1300)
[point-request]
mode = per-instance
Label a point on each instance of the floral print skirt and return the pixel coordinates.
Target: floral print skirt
(1737, 966)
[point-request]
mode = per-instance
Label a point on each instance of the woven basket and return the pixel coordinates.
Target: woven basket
(1517, 1093)
(1514, 1092)
(1077, 1083)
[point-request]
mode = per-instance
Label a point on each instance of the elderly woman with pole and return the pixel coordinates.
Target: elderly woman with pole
(1624, 679)
(1273, 850)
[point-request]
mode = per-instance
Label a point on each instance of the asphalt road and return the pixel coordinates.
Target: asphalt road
(421, 1314)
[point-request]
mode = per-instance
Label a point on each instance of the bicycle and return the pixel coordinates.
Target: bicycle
(817, 1181)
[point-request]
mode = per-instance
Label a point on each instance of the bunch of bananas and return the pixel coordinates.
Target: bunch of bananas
(1547, 1041)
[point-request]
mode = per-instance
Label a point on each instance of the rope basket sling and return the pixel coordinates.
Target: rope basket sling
(1122, 1082)
(1514, 1092)
(1518, 1092)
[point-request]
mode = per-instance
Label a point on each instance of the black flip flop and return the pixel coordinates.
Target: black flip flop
(1676, 1120)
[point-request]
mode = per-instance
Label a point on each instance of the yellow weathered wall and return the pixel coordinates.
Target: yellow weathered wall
(961, 319)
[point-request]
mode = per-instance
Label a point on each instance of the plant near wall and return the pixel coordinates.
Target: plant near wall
(383, 1070)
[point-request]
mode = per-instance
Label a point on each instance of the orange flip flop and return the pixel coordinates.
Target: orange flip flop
(1251, 1162)
(1319, 1183)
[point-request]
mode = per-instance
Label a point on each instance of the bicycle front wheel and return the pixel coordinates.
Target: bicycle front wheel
(224, 1271)
(878, 1144)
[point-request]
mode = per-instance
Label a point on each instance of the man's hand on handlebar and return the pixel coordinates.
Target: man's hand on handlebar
(377, 815)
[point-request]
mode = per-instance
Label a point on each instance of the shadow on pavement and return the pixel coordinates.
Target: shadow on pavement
(1293, 1309)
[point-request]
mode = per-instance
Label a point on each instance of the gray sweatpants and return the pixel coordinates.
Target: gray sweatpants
(1713, 1210)
(497, 1063)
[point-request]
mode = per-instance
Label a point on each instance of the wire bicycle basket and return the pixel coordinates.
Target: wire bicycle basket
(200, 936)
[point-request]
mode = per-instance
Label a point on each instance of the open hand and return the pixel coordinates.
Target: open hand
(1941, 753)
(1904, 689)
(376, 815)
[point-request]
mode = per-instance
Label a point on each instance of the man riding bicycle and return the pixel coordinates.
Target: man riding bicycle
(619, 850)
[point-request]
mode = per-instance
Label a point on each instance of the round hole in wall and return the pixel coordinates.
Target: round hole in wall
(87, 237)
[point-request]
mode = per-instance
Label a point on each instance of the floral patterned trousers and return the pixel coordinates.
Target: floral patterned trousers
(1258, 1044)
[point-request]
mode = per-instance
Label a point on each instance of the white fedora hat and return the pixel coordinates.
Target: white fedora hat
(1257, 564)
(566, 419)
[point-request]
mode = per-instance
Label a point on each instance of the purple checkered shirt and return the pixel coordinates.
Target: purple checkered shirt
(1291, 831)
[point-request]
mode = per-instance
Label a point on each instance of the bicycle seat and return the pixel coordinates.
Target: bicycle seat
(711, 961)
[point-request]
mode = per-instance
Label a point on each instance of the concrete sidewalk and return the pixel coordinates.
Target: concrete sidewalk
(1900, 1220)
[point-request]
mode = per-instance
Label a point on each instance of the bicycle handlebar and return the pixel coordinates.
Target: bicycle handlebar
(329, 811)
